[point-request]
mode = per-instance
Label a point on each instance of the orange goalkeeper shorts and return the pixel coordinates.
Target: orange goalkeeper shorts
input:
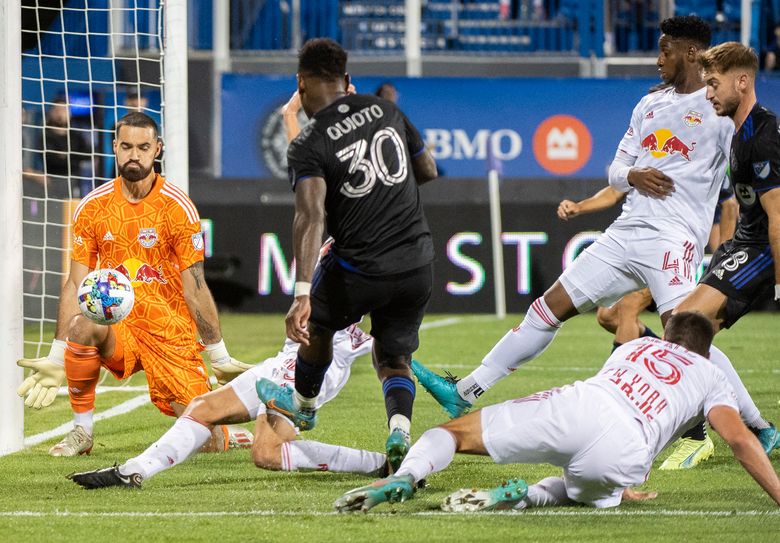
(175, 373)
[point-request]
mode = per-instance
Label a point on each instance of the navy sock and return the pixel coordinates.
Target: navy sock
(698, 432)
(399, 396)
(309, 378)
(648, 333)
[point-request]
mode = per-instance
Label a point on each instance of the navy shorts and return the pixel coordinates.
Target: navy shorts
(396, 303)
(744, 273)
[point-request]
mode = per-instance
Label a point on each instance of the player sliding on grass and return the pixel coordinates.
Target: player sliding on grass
(275, 446)
(604, 432)
(671, 162)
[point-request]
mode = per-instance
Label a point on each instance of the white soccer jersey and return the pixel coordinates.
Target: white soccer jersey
(348, 345)
(665, 387)
(680, 135)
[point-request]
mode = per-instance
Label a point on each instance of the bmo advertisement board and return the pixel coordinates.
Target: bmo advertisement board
(538, 128)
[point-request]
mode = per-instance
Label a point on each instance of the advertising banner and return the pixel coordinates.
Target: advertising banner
(537, 128)
(250, 263)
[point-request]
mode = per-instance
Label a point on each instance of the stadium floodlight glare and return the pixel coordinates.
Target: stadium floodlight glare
(85, 64)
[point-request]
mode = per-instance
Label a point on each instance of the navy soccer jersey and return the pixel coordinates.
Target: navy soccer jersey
(363, 147)
(755, 168)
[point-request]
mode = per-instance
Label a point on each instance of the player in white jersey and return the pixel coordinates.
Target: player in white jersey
(673, 155)
(276, 445)
(604, 432)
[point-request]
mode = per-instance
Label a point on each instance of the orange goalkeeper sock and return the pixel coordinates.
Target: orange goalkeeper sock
(82, 368)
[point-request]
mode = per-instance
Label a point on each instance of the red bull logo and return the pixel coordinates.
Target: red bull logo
(693, 118)
(663, 142)
(140, 272)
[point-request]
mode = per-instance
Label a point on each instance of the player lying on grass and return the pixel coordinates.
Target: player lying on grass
(275, 446)
(604, 432)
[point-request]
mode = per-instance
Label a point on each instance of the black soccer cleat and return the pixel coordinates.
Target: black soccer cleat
(106, 477)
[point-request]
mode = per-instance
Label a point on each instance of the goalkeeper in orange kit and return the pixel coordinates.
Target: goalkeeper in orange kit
(148, 229)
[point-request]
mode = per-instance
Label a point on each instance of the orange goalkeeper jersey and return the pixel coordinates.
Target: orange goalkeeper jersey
(151, 242)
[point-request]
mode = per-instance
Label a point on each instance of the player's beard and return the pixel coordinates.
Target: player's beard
(728, 107)
(134, 174)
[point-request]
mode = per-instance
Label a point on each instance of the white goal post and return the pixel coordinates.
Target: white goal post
(94, 60)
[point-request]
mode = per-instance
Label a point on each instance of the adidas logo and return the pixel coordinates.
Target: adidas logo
(108, 236)
(719, 273)
(675, 282)
(649, 115)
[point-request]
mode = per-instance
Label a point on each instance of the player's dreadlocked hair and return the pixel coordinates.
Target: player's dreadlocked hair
(323, 58)
(691, 330)
(138, 120)
(688, 27)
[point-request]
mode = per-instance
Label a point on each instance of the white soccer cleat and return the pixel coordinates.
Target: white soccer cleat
(505, 496)
(239, 438)
(76, 442)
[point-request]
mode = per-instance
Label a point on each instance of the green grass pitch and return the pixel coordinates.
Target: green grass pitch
(224, 497)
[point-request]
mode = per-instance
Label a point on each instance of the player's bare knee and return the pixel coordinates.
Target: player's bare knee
(267, 455)
(607, 318)
(83, 331)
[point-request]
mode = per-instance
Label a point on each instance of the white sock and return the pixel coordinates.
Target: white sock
(747, 408)
(400, 422)
(433, 452)
(184, 438)
(548, 492)
(306, 405)
(308, 455)
(518, 346)
(85, 420)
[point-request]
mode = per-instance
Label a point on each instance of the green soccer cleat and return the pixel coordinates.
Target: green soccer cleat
(502, 497)
(769, 438)
(280, 399)
(689, 454)
(443, 389)
(103, 478)
(393, 489)
(397, 445)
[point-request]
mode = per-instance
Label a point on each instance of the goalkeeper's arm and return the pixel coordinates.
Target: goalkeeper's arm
(40, 388)
(204, 312)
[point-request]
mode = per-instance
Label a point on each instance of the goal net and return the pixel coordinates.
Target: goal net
(84, 64)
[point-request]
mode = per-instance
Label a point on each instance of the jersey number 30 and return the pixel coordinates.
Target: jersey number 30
(374, 166)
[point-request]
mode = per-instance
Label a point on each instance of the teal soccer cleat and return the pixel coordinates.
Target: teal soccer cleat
(443, 389)
(396, 446)
(393, 489)
(769, 438)
(502, 497)
(280, 399)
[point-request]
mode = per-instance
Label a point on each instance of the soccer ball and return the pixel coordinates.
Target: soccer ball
(106, 296)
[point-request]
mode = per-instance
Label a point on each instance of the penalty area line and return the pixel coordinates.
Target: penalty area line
(298, 514)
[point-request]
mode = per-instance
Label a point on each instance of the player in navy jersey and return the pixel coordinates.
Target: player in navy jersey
(355, 168)
(742, 272)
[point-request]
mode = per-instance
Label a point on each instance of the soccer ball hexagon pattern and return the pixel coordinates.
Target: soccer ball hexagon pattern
(106, 296)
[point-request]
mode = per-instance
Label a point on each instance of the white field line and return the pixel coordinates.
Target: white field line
(541, 366)
(121, 409)
(394, 514)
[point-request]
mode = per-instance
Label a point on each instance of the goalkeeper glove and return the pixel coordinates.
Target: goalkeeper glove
(48, 374)
(226, 368)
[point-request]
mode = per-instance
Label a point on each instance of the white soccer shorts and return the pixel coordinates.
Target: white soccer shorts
(578, 427)
(624, 260)
(281, 370)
